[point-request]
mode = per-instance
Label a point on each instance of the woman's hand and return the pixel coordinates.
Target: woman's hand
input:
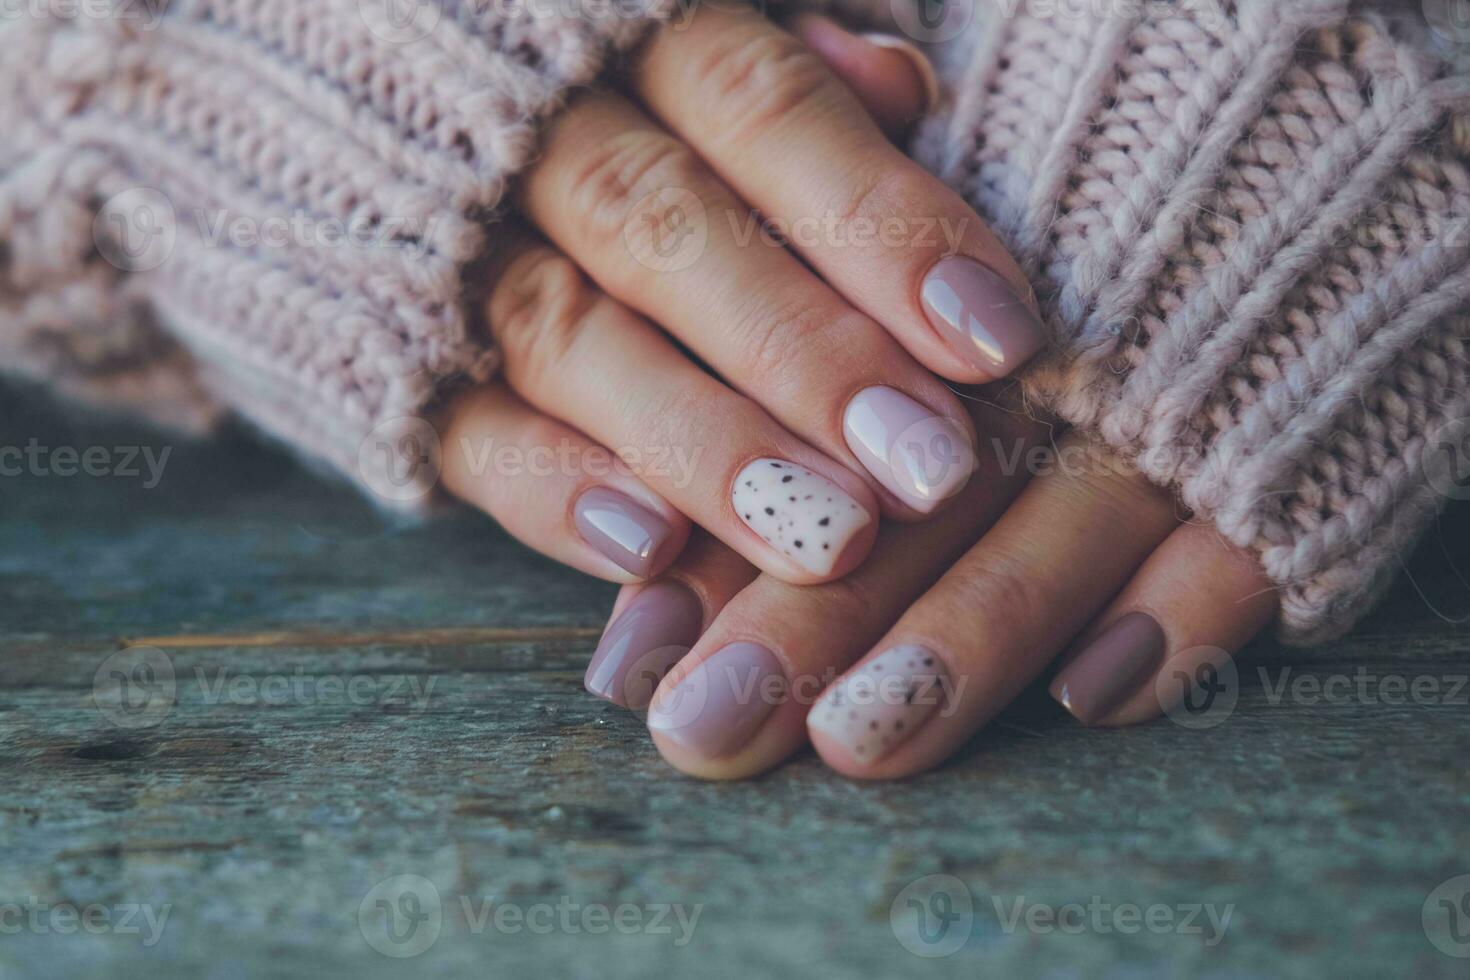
(892, 669)
(825, 411)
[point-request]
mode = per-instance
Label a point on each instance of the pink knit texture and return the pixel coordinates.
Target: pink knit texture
(316, 178)
(1246, 222)
(1249, 229)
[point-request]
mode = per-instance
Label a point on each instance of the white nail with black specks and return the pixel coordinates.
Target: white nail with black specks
(879, 704)
(805, 517)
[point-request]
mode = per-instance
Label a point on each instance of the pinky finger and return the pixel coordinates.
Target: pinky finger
(555, 490)
(1196, 601)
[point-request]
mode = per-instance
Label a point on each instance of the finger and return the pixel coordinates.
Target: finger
(994, 621)
(794, 142)
(890, 76)
(746, 306)
(555, 490)
(580, 356)
(1198, 599)
(736, 706)
(653, 626)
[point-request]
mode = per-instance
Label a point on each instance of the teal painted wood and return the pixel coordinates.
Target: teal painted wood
(263, 805)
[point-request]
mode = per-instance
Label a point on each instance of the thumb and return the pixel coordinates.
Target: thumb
(891, 76)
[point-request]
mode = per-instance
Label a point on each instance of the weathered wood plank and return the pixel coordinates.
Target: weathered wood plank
(263, 803)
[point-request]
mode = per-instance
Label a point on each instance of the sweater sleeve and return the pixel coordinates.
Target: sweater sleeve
(1249, 228)
(1248, 224)
(268, 206)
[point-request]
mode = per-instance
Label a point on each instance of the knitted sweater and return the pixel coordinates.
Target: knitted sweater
(1246, 222)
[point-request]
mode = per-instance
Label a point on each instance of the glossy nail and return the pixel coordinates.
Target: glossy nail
(656, 629)
(878, 705)
(981, 316)
(805, 517)
(922, 458)
(629, 534)
(1111, 668)
(717, 708)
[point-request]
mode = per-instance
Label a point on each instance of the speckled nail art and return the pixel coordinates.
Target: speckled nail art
(805, 517)
(878, 705)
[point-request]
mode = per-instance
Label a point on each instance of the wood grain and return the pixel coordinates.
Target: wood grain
(263, 802)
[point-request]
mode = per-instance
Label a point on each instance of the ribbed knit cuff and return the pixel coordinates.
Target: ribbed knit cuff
(1249, 227)
(270, 205)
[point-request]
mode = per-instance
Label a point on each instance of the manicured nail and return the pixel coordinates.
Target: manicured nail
(806, 517)
(922, 66)
(981, 316)
(875, 707)
(720, 704)
(654, 632)
(1111, 668)
(923, 458)
(627, 533)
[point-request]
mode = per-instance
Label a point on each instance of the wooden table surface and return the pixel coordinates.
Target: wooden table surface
(328, 741)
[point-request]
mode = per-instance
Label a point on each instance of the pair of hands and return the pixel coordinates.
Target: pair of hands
(793, 613)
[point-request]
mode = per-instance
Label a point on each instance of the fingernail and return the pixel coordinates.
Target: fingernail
(806, 517)
(720, 704)
(923, 458)
(627, 533)
(922, 66)
(876, 707)
(658, 627)
(980, 315)
(1110, 668)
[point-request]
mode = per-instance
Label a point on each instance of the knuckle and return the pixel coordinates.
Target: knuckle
(988, 581)
(699, 419)
(784, 344)
(757, 80)
(537, 311)
(665, 411)
(625, 172)
(879, 198)
(850, 600)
